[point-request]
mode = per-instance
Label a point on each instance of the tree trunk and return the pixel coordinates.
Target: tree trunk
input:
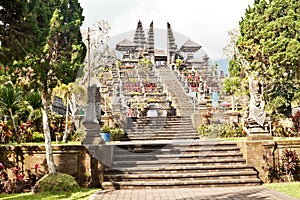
(14, 125)
(232, 103)
(31, 115)
(65, 137)
(49, 154)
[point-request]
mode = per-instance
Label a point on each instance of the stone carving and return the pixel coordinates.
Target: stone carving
(257, 103)
(92, 119)
(93, 109)
(255, 119)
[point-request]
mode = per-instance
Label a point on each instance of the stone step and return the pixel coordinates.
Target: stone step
(160, 123)
(171, 135)
(180, 184)
(177, 168)
(182, 162)
(178, 146)
(143, 157)
(159, 138)
(161, 129)
(182, 176)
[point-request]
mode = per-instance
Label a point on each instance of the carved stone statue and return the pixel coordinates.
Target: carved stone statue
(255, 120)
(257, 103)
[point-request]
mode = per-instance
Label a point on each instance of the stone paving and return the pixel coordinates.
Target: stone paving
(228, 193)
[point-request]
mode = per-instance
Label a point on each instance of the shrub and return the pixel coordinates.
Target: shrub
(37, 137)
(289, 161)
(288, 165)
(296, 121)
(272, 170)
(117, 134)
(220, 130)
(106, 129)
(58, 182)
(78, 135)
(15, 185)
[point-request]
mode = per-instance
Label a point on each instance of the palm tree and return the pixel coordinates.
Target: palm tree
(10, 101)
(68, 93)
(35, 102)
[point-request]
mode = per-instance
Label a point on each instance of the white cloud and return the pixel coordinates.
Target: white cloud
(205, 22)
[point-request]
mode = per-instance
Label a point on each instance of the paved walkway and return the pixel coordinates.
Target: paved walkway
(228, 193)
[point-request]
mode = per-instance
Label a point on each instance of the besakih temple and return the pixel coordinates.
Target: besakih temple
(141, 91)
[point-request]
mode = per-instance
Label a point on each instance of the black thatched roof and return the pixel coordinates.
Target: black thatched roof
(190, 46)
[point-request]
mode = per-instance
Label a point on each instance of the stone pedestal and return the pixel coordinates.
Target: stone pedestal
(93, 141)
(257, 133)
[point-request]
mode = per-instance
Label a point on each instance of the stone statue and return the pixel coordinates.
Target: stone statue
(257, 103)
(254, 119)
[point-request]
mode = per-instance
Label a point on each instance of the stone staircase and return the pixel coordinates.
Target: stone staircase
(184, 104)
(179, 163)
(160, 128)
(164, 152)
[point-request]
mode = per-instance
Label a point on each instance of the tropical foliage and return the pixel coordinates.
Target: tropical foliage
(269, 42)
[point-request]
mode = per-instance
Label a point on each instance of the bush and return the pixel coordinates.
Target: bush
(37, 137)
(117, 134)
(15, 185)
(78, 135)
(58, 182)
(220, 130)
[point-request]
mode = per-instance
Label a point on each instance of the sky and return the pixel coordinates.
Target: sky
(205, 22)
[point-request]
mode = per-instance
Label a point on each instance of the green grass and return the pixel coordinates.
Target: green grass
(84, 194)
(291, 189)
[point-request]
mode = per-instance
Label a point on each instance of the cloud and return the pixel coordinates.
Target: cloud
(205, 22)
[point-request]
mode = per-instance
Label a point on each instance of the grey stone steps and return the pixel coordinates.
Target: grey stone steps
(169, 148)
(181, 176)
(175, 161)
(180, 184)
(147, 156)
(162, 130)
(177, 168)
(169, 136)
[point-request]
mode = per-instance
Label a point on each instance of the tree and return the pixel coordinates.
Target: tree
(10, 101)
(35, 102)
(235, 84)
(68, 93)
(23, 28)
(269, 41)
(61, 55)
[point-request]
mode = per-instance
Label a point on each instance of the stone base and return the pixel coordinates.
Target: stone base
(263, 136)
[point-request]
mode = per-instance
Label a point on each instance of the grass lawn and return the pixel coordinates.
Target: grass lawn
(84, 194)
(291, 189)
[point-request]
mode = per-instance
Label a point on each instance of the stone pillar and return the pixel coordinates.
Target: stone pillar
(93, 138)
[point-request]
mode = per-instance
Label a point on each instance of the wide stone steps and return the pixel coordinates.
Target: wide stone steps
(177, 169)
(208, 161)
(177, 156)
(160, 128)
(179, 163)
(183, 176)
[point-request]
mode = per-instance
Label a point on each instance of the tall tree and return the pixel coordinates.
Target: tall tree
(23, 28)
(269, 41)
(60, 56)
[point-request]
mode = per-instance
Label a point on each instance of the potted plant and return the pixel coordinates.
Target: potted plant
(105, 133)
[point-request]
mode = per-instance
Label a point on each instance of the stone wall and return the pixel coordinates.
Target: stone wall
(70, 159)
(253, 152)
